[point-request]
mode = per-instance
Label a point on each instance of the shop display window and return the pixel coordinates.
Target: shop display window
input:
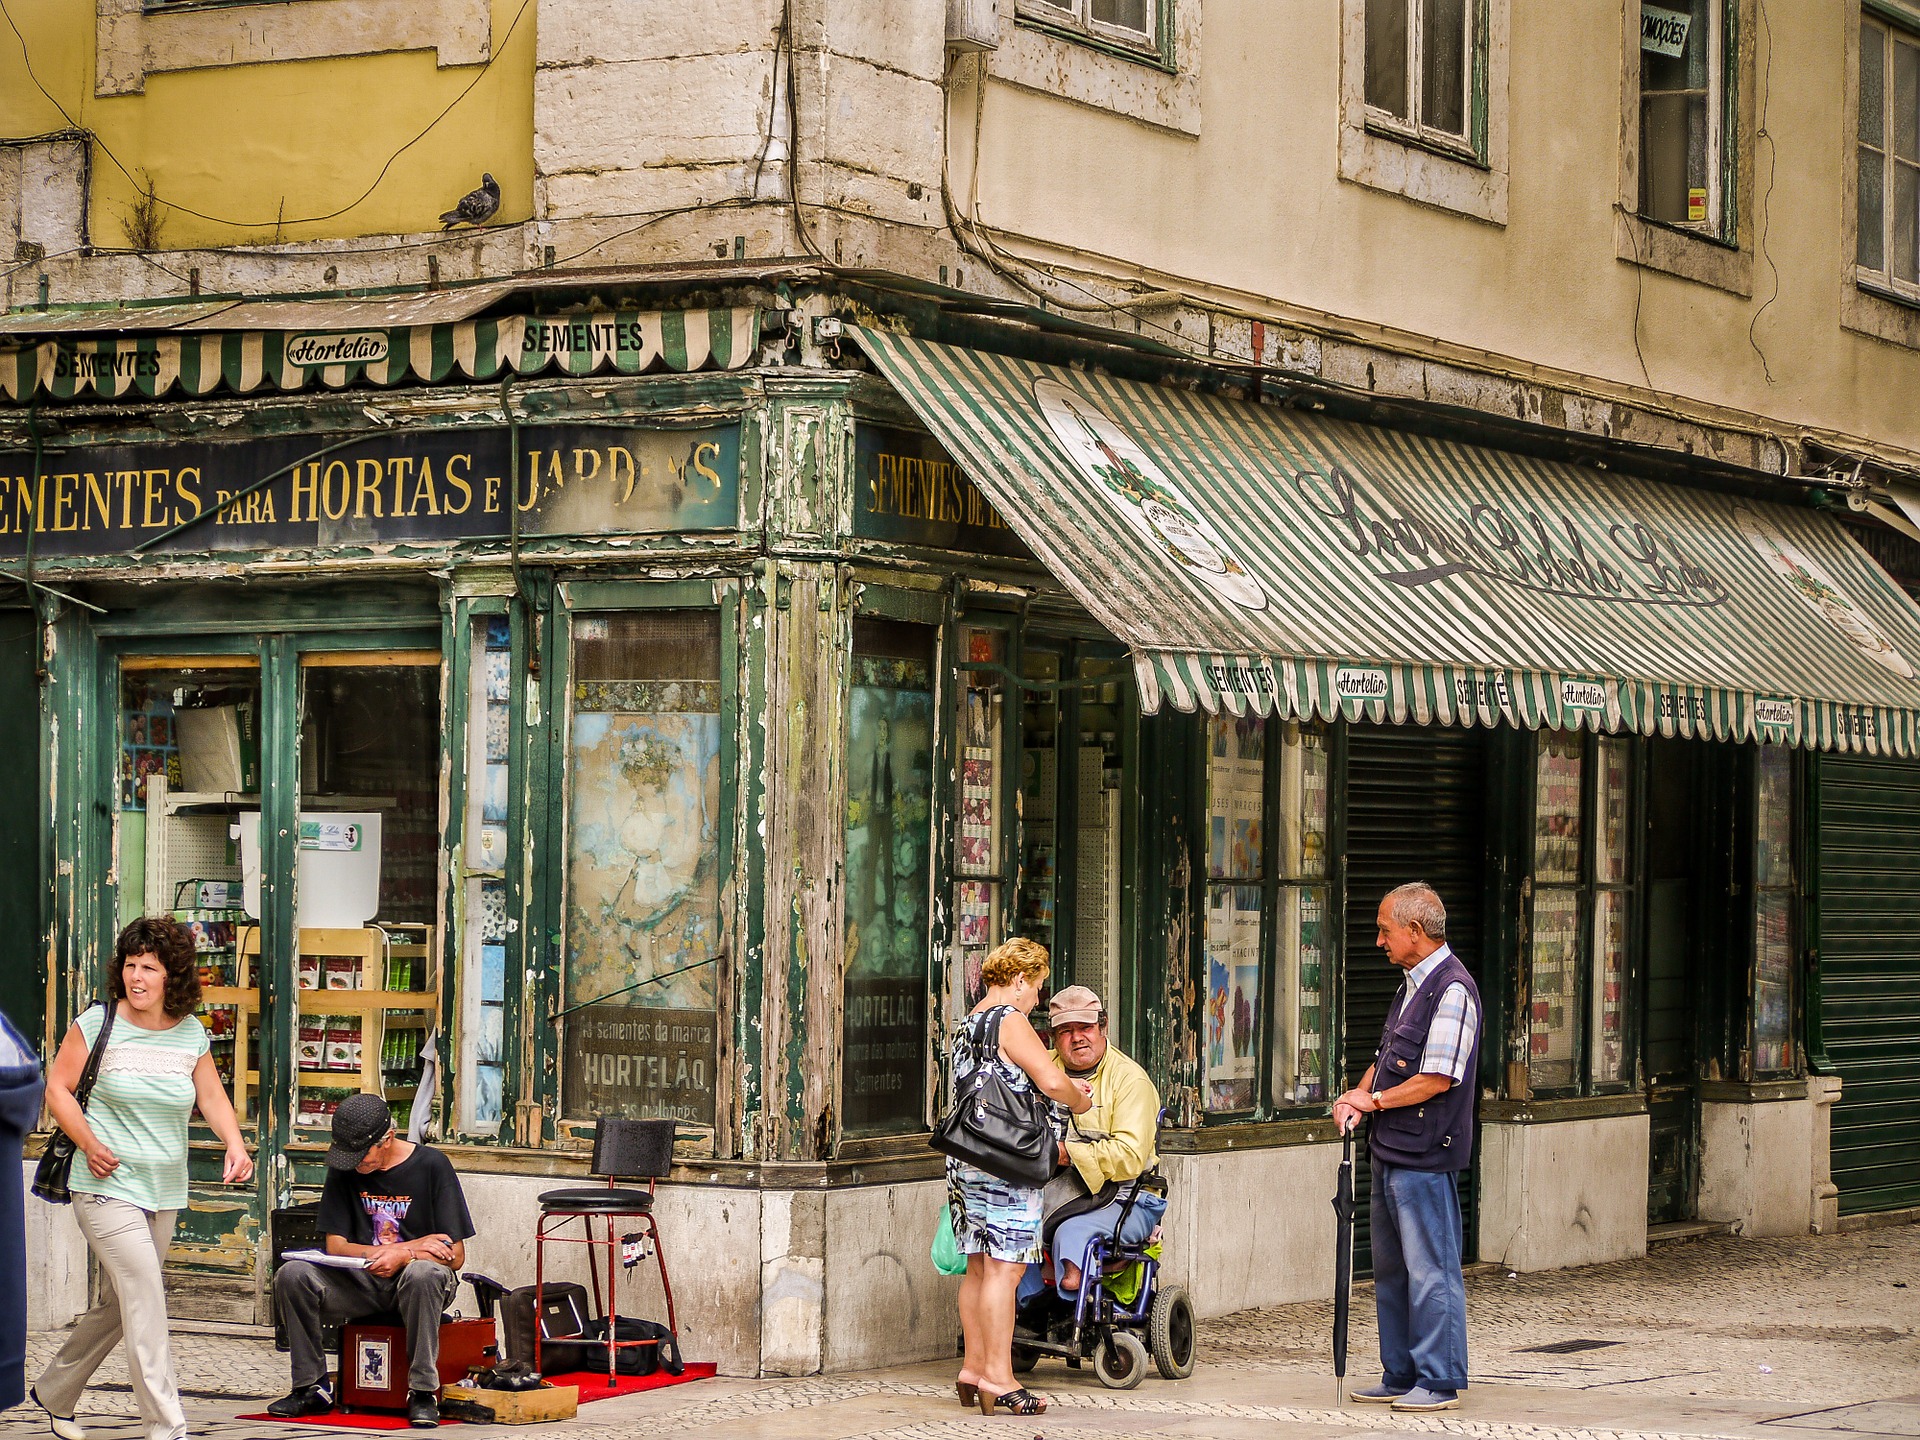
(1773, 921)
(1580, 943)
(1265, 879)
(481, 1068)
(979, 857)
(1040, 721)
(1089, 952)
(889, 839)
(642, 910)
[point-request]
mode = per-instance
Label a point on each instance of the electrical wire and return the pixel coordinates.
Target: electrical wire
(485, 69)
(793, 137)
(1766, 196)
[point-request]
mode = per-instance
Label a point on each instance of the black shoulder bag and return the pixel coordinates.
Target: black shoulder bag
(993, 1127)
(56, 1161)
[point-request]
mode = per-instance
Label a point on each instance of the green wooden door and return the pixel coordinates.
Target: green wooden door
(1415, 810)
(1868, 903)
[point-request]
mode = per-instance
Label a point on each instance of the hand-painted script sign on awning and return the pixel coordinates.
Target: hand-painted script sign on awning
(378, 487)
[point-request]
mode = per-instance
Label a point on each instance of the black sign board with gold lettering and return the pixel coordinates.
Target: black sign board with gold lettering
(380, 487)
(907, 489)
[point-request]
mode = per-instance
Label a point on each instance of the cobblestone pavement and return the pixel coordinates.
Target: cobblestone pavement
(1746, 1339)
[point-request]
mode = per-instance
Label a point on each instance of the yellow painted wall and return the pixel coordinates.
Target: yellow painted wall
(1255, 203)
(246, 144)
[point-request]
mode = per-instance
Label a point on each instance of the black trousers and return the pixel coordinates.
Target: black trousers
(310, 1297)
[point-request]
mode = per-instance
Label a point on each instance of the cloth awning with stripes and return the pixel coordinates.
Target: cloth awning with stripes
(1255, 557)
(625, 342)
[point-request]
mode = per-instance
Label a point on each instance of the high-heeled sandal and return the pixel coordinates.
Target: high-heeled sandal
(1015, 1402)
(969, 1394)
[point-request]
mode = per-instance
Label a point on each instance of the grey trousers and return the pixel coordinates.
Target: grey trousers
(131, 1246)
(309, 1297)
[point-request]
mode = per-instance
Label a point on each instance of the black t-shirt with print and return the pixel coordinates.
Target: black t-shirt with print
(419, 1196)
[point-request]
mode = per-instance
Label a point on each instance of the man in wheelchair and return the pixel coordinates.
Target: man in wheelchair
(1105, 1155)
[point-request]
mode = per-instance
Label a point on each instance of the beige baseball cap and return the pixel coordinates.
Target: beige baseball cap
(1075, 1005)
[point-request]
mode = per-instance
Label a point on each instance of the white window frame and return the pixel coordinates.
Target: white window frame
(1715, 225)
(1410, 127)
(1077, 16)
(1883, 280)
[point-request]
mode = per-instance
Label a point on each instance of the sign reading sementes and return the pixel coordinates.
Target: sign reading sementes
(378, 487)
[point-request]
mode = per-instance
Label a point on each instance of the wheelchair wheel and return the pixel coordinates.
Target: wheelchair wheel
(1120, 1360)
(1024, 1360)
(1170, 1333)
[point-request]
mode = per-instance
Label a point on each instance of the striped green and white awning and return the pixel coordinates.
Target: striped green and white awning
(625, 342)
(1261, 558)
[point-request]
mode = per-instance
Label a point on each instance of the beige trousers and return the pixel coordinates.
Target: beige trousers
(131, 1245)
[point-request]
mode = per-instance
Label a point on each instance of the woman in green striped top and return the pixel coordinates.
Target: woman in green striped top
(133, 1137)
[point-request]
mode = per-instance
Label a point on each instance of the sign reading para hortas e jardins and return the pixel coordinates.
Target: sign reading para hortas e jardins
(381, 486)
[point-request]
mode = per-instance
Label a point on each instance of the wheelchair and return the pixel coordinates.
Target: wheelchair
(1119, 1337)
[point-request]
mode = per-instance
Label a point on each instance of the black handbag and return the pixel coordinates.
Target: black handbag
(56, 1161)
(993, 1127)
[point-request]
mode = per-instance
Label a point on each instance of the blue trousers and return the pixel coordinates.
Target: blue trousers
(1070, 1241)
(1417, 1287)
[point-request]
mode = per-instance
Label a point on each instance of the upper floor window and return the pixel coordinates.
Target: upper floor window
(1133, 23)
(1888, 248)
(1683, 111)
(1420, 65)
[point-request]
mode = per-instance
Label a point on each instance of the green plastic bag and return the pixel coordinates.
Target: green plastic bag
(947, 1258)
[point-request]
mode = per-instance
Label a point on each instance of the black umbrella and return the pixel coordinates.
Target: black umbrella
(1342, 1262)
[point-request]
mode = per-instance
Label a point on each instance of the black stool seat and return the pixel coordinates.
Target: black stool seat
(597, 1200)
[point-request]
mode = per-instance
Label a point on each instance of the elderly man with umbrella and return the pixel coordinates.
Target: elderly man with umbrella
(1419, 1092)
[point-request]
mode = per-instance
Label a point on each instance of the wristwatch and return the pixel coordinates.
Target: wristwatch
(1378, 1102)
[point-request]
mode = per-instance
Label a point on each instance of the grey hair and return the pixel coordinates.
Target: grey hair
(1418, 904)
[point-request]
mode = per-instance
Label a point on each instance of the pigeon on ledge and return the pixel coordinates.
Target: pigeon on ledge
(476, 207)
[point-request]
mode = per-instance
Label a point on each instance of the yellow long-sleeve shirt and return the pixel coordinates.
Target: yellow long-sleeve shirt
(1126, 1108)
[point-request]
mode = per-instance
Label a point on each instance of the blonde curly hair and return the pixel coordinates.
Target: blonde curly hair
(1011, 959)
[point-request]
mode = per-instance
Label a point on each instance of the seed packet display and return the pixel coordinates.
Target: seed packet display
(343, 1042)
(312, 1049)
(309, 972)
(341, 972)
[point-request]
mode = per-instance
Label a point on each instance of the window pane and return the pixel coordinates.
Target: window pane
(889, 840)
(1664, 143)
(1873, 84)
(1773, 982)
(1870, 251)
(480, 1066)
(1233, 994)
(1300, 1002)
(1610, 835)
(1773, 817)
(1677, 65)
(1610, 912)
(1554, 1042)
(643, 865)
(1906, 101)
(1236, 792)
(1039, 799)
(1443, 59)
(1556, 829)
(1386, 79)
(1303, 801)
(1127, 14)
(1905, 260)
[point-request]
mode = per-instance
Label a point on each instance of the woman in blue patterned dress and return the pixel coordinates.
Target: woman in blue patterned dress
(996, 1223)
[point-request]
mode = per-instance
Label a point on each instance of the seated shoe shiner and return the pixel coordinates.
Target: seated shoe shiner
(1106, 1150)
(399, 1207)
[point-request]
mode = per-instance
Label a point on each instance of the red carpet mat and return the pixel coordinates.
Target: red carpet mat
(592, 1387)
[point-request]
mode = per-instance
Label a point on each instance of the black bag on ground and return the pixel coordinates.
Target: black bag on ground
(566, 1313)
(993, 1127)
(559, 1357)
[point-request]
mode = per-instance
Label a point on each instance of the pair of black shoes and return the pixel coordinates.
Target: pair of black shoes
(423, 1410)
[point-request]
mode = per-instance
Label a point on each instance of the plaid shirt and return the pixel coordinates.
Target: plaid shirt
(1456, 1021)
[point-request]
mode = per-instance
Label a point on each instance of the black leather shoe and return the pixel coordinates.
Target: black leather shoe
(423, 1410)
(305, 1400)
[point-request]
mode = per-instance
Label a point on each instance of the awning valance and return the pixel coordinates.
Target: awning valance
(1255, 557)
(625, 342)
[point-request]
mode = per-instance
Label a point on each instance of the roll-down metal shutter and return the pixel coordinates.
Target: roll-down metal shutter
(1416, 810)
(1868, 882)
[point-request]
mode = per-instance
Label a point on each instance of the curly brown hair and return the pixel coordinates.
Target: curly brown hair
(169, 942)
(1011, 959)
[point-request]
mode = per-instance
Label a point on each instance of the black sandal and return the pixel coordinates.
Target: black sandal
(1015, 1402)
